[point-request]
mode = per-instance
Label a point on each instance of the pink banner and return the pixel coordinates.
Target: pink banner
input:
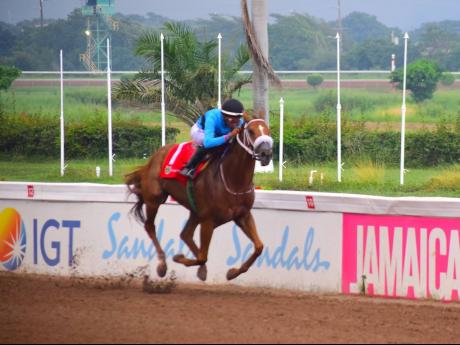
(399, 256)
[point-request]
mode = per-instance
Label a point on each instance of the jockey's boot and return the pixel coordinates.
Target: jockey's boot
(190, 169)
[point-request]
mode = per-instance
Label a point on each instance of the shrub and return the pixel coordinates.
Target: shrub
(317, 143)
(447, 79)
(422, 79)
(7, 76)
(35, 136)
(315, 80)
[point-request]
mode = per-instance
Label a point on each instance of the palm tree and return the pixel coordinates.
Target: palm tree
(257, 39)
(191, 73)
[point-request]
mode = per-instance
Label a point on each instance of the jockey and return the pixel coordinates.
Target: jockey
(215, 128)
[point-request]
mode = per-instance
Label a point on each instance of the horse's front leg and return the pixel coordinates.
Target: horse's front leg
(248, 225)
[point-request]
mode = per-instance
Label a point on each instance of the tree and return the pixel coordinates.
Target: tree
(422, 79)
(7, 76)
(299, 41)
(372, 54)
(361, 27)
(257, 39)
(191, 78)
(315, 80)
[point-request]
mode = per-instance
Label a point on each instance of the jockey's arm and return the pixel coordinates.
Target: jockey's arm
(210, 140)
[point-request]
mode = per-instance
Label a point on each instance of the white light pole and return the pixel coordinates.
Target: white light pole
(281, 158)
(163, 107)
(403, 112)
(219, 97)
(339, 115)
(109, 107)
(62, 114)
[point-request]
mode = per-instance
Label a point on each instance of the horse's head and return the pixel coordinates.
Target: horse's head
(256, 140)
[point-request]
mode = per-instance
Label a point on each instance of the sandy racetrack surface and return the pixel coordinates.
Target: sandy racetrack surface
(37, 309)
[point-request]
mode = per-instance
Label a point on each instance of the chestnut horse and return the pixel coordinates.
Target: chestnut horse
(224, 192)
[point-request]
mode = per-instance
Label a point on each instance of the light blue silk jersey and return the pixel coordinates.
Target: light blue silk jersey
(215, 128)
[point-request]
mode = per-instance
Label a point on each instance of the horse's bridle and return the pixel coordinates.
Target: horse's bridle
(251, 150)
(249, 145)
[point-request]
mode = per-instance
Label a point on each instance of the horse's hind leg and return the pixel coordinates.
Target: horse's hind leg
(206, 232)
(152, 209)
(248, 225)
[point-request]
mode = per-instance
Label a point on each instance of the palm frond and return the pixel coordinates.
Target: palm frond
(254, 46)
(138, 90)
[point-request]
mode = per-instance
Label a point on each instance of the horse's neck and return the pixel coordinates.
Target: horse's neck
(238, 168)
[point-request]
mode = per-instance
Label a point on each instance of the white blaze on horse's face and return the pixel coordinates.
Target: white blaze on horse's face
(262, 142)
(261, 129)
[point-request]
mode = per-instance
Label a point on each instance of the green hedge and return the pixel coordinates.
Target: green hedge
(317, 143)
(307, 142)
(35, 136)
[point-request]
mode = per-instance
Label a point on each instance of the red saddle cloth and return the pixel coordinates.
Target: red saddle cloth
(176, 160)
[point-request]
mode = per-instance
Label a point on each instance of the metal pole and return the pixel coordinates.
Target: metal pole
(163, 108)
(403, 112)
(339, 115)
(219, 97)
(109, 105)
(41, 14)
(281, 158)
(62, 114)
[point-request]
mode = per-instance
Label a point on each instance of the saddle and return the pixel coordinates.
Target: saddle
(176, 160)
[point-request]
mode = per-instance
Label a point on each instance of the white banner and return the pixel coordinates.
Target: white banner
(302, 250)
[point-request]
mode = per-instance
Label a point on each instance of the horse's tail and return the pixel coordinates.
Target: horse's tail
(134, 182)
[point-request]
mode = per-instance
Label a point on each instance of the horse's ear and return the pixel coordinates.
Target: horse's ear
(246, 117)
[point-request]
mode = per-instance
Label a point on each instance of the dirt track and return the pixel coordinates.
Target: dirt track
(42, 309)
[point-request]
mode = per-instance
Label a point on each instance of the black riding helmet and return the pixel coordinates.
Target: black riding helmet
(232, 107)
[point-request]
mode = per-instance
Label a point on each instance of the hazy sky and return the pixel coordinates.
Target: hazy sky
(405, 14)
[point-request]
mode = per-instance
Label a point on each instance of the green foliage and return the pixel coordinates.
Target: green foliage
(7, 76)
(447, 79)
(371, 54)
(297, 41)
(35, 136)
(191, 81)
(440, 42)
(327, 103)
(361, 27)
(315, 142)
(422, 79)
(315, 80)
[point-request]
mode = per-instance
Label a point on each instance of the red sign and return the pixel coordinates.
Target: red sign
(30, 191)
(310, 202)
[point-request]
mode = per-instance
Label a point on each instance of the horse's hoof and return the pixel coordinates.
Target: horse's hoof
(202, 272)
(233, 273)
(179, 258)
(162, 269)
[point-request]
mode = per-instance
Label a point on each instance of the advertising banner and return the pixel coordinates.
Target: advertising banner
(302, 250)
(400, 256)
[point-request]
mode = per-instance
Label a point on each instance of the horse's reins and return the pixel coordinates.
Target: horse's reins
(251, 151)
(247, 140)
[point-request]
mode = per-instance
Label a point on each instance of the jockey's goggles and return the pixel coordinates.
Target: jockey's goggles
(229, 113)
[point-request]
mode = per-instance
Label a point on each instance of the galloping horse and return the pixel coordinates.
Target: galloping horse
(224, 192)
